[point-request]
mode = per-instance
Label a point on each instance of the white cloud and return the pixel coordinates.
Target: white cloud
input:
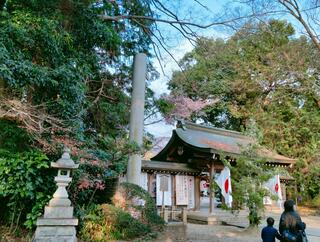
(160, 129)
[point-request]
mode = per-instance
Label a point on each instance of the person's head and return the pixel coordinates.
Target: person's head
(289, 206)
(270, 221)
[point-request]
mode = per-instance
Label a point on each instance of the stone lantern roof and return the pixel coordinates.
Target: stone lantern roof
(65, 162)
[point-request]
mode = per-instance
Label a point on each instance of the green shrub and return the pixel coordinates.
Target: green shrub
(13, 138)
(91, 185)
(316, 201)
(101, 161)
(131, 192)
(26, 186)
(107, 222)
(127, 219)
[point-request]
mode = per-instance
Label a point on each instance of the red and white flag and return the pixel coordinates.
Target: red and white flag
(224, 182)
(273, 185)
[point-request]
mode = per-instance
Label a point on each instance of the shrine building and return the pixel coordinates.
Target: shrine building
(178, 176)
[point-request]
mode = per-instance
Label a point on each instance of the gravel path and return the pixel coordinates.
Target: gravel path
(221, 233)
(202, 233)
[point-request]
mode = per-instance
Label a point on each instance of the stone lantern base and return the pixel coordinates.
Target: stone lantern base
(56, 230)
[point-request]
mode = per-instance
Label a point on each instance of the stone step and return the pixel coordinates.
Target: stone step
(218, 217)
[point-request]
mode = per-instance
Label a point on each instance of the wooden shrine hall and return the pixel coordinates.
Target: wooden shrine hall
(176, 175)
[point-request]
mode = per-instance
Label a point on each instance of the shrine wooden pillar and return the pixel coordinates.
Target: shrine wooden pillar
(211, 171)
(149, 183)
(173, 189)
(283, 191)
(197, 193)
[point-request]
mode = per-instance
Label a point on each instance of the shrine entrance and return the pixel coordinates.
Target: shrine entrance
(205, 193)
(192, 160)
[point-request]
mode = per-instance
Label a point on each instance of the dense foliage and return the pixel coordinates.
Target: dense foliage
(125, 219)
(63, 56)
(128, 195)
(25, 180)
(248, 173)
(265, 74)
(106, 223)
(65, 75)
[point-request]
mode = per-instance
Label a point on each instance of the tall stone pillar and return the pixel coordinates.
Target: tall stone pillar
(58, 223)
(137, 116)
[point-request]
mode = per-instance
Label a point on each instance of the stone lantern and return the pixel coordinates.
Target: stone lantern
(58, 223)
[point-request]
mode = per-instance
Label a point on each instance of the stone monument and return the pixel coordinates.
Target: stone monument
(58, 223)
(137, 116)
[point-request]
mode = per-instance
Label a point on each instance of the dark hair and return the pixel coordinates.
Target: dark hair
(289, 206)
(270, 221)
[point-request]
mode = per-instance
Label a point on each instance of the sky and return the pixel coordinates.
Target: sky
(160, 86)
(178, 46)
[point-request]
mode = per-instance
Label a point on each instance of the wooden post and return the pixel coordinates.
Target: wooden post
(173, 196)
(184, 215)
(296, 193)
(211, 206)
(197, 193)
(173, 189)
(163, 200)
(284, 191)
(166, 215)
(149, 183)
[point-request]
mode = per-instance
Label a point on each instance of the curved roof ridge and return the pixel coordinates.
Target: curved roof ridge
(212, 140)
(210, 129)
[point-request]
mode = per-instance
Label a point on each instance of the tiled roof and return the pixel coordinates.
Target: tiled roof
(221, 141)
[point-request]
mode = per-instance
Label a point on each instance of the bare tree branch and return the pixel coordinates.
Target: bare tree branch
(154, 122)
(33, 118)
(294, 10)
(181, 22)
(202, 5)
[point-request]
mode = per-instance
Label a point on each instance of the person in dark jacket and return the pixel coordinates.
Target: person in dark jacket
(291, 221)
(269, 233)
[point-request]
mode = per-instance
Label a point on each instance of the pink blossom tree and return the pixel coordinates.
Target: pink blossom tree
(182, 107)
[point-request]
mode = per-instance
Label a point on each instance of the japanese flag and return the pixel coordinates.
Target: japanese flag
(273, 185)
(224, 182)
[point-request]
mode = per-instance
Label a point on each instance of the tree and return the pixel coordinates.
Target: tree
(65, 69)
(64, 78)
(62, 54)
(261, 73)
(305, 13)
(248, 175)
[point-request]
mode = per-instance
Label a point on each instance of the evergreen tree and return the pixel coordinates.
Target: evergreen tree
(262, 73)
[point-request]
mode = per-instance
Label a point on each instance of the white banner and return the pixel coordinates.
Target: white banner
(190, 192)
(185, 190)
(181, 190)
(166, 178)
(144, 180)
